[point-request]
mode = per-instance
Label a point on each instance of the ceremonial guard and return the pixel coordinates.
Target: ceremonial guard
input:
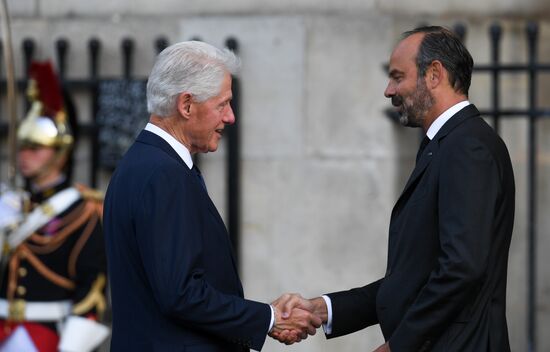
(52, 294)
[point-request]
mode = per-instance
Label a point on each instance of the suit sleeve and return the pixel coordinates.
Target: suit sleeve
(468, 193)
(169, 236)
(354, 309)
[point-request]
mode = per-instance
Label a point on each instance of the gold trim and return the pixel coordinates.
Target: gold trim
(16, 310)
(45, 271)
(94, 299)
(48, 244)
(12, 281)
(77, 248)
(90, 193)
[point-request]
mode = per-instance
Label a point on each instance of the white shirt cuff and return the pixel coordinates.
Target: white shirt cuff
(328, 326)
(272, 322)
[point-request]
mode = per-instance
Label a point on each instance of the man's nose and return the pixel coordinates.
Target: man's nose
(390, 91)
(229, 117)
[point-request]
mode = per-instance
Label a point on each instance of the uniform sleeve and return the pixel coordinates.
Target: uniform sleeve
(169, 233)
(468, 192)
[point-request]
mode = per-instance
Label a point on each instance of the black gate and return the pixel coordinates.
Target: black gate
(533, 112)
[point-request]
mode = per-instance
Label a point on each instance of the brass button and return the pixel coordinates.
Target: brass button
(21, 291)
(22, 272)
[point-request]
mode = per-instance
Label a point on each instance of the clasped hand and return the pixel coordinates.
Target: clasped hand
(295, 319)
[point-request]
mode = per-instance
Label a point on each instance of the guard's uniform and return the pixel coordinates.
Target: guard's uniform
(54, 285)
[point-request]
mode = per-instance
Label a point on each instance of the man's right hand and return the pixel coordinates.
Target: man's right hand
(296, 317)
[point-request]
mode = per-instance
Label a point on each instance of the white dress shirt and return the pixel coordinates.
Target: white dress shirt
(178, 147)
(444, 117)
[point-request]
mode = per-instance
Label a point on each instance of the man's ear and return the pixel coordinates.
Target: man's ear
(436, 74)
(184, 102)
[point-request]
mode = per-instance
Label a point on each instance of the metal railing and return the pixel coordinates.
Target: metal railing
(533, 113)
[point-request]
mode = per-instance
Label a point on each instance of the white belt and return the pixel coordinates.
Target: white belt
(35, 311)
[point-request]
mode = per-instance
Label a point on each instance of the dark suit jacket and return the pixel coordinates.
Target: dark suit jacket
(173, 277)
(450, 231)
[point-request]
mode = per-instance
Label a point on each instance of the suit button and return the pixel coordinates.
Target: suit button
(21, 291)
(22, 272)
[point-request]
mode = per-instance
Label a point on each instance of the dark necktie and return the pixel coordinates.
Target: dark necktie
(423, 145)
(197, 172)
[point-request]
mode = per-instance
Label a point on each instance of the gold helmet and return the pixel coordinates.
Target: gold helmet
(46, 122)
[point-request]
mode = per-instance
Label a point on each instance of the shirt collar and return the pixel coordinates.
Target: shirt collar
(444, 117)
(179, 148)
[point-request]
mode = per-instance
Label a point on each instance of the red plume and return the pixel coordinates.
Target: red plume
(49, 89)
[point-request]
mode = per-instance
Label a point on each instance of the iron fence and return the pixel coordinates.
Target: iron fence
(533, 67)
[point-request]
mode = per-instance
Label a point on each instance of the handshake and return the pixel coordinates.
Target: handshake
(297, 317)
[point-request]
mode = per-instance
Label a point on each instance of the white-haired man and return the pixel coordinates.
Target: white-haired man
(174, 282)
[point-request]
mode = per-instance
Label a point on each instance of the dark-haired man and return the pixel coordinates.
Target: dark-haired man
(450, 230)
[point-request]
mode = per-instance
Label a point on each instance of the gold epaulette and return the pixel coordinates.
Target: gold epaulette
(90, 193)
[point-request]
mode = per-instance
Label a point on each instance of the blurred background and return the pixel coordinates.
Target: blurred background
(307, 177)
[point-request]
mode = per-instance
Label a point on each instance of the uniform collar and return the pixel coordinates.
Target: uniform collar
(40, 195)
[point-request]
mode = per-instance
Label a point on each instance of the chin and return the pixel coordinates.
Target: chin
(213, 146)
(28, 175)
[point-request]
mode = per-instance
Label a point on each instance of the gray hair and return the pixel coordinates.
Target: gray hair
(194, 67)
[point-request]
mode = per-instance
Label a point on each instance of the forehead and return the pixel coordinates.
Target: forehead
(403, 57)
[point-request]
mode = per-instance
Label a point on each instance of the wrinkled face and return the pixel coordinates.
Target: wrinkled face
(408, 92)
(209, 118)
(33, 160)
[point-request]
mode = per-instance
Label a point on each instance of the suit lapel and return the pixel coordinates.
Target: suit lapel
(432, 148)
(422, 164)
(150, 138)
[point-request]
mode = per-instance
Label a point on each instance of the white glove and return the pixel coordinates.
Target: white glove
(11, 208)
(82, 335)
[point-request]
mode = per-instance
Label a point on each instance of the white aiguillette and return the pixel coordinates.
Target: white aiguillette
(42, 214)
